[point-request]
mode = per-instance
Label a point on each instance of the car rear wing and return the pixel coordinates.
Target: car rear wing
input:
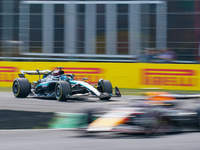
(35, 72)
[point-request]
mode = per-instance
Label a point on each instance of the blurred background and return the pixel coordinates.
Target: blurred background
(120, 31)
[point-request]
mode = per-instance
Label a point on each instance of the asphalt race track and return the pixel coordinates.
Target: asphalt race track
(58, 139)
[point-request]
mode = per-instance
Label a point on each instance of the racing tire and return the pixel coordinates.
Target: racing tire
(165, 125)
(62, 90)
(105, 86)
(159, 125)
(150, 122)
(21, 87)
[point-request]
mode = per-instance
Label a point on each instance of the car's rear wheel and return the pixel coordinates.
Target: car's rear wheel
(21, 87)
(155, 123)
(105, 86)
(62, 90)
(150, 122)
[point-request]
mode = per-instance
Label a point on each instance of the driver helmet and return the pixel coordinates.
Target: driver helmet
(64, 78)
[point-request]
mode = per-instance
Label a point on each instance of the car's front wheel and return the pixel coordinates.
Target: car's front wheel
(62, 90)
(21, 87)
(105, 86)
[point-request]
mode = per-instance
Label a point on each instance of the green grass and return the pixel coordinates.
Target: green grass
(5, 89)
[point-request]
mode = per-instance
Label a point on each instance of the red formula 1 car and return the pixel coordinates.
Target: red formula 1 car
(147, 116)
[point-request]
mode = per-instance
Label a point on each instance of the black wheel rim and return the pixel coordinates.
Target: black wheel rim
(58, 91)
(15, 87)
(150, 123)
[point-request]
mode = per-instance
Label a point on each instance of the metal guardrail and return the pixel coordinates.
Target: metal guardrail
(82, 58)
(182, 62)
(79, 55)
(64, 59)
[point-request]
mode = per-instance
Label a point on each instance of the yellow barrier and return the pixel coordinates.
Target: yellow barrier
(123, 75)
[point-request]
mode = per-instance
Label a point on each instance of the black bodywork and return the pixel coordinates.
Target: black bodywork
(57, 84)
(148, 119)
(166, 120)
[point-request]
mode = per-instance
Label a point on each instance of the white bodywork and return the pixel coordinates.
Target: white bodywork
(88, 86)
(34, 72)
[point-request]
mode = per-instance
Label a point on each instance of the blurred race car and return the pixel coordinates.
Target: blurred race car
(166, 96)
(142, 118)
(57, 84)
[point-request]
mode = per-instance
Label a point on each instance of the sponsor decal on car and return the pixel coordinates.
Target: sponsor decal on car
(169, 77)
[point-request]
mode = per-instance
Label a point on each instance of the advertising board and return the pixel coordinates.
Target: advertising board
(123, 75)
